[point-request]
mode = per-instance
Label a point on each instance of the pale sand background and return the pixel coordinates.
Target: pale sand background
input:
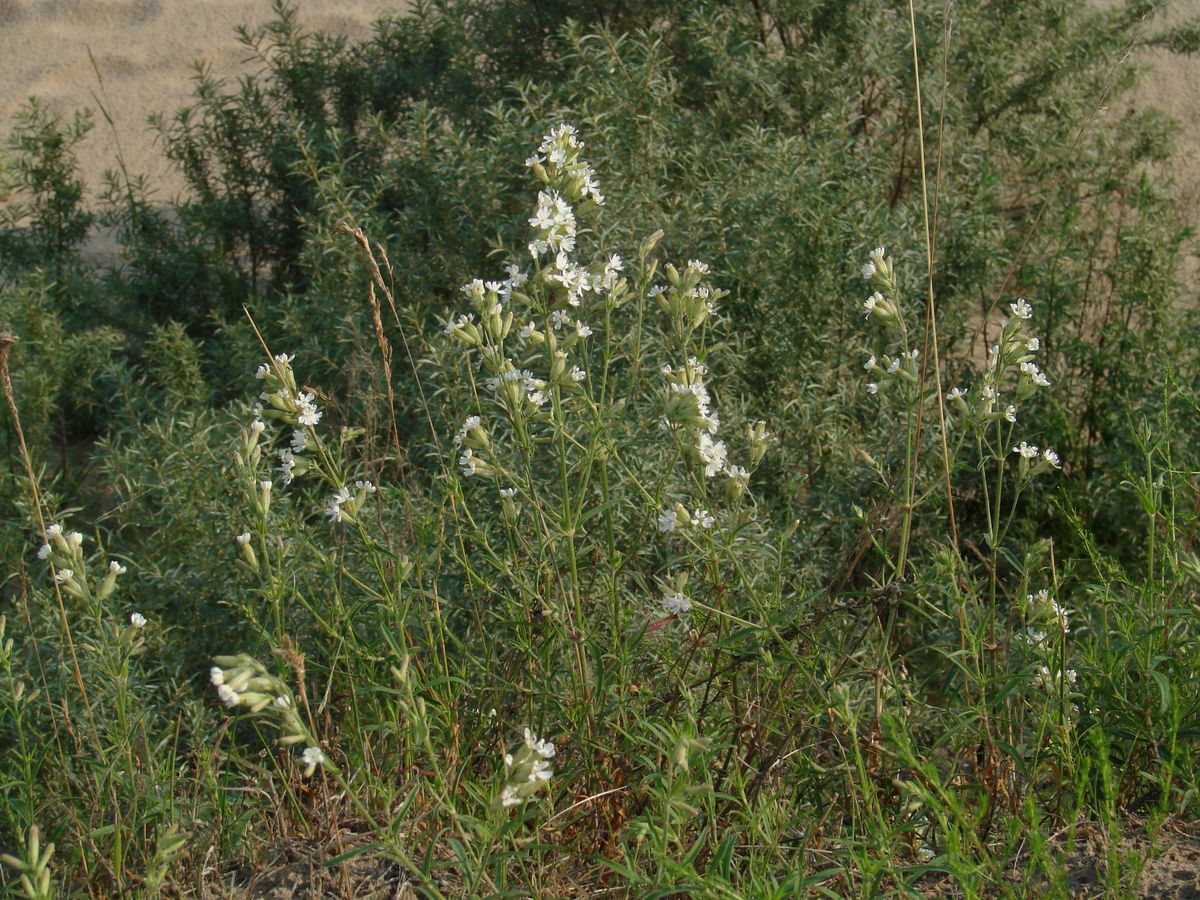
(144, 49)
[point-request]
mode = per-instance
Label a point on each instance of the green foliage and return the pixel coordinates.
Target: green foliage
(861, 648)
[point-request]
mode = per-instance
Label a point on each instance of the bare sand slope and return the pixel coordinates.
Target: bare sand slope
(143, 50)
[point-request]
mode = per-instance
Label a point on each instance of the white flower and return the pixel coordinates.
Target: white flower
(577, 374)
(137, 620)
(1051, 458)
(366, 486)
(312, 757)
(44, 551)
(471, 423)
(872, 387)
(508, 492)
(676, 603)
(115, 568)
(282, 702)
(75, 539)
(334, 510)
(703, 518)
(516, 277)
(1033, 345)
(509, 797)
(956, 394)
(868, 271)
(583, 330)
(243, 539)
(468, 463)
(299, 440)
(559, 318)
(1011, 413)
(712, 453)
(739, 476)
(53, 530)
(667, 520)
(308, 414)
(874, 300)
(1026, 451)
(62, 576)
(543, 748)
(227, 694)
(217, 676)
(258, 426)
(870, 364)
(1021, 309)
(877, 255)
(612, 270)
(287, 465)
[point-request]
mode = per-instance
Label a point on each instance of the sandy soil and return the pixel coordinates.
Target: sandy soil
(143, 50)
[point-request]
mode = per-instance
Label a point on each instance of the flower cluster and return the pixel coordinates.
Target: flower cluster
(288, 404)
(1042, 611)
(688, 407)
(553, 332)
(678, 515)
(344, 505)
(1010, 377)
(242, 681)
(687, 298)
(884, 306)
(1044, 680)
(526, 770)
(64, 550)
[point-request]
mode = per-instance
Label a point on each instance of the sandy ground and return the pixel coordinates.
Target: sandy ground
(143, 50)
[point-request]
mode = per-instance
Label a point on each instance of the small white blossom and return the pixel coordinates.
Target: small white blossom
(468, 463)
(44, 551)
(1021, 309)
(312, 757)
(667, 520)
(115, 568)
(1026, 451)
(137, 620)
(712, 453)
(676, 603)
